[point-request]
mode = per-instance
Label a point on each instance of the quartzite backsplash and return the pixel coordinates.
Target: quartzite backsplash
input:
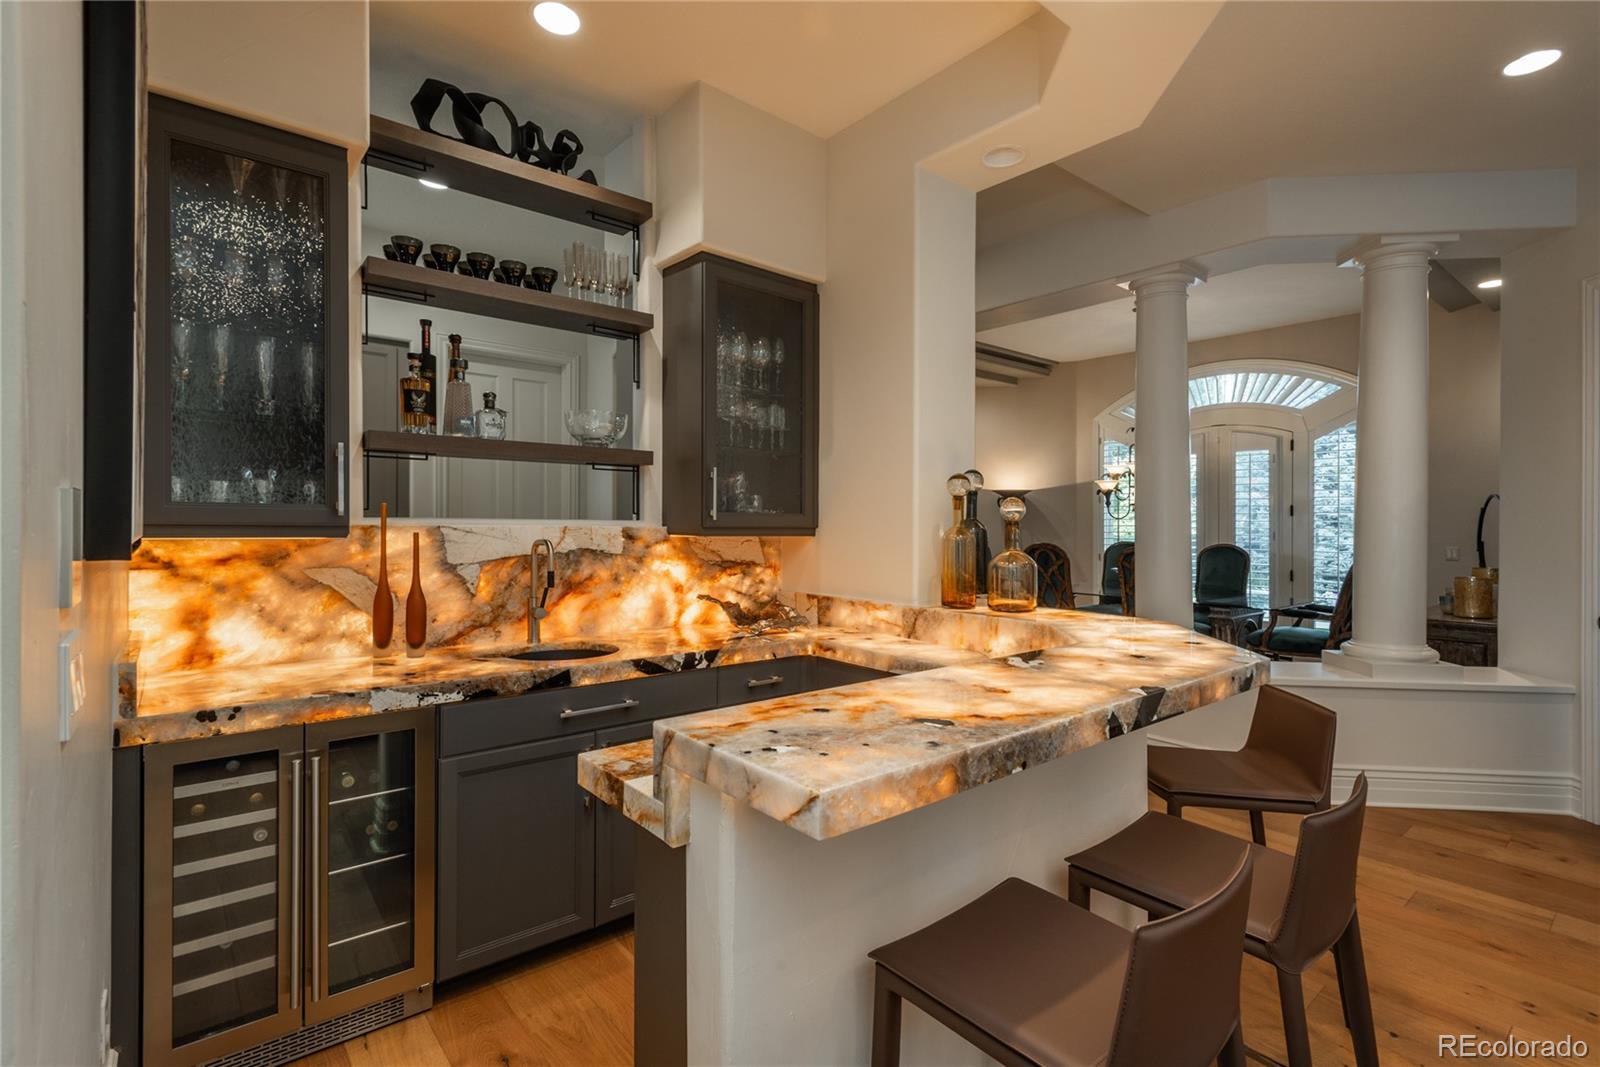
(216, 603)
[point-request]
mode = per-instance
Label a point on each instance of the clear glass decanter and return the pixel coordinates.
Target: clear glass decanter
(958, 551)
(458, 394)
(490, 420)
(1013, 576)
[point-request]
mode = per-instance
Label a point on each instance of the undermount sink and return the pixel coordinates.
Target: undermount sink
(556, 654)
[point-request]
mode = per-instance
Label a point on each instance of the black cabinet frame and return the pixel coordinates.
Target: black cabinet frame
(172, 120)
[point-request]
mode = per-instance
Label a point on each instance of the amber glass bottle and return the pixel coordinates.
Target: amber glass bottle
(383, 600)
(958, 555)
(416, 603)
(1013, 576)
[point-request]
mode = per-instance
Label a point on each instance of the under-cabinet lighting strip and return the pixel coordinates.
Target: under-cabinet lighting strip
(227, 822)
(369, 933)
(369, 796)
(231, 859)
(220, 784)
(368, 863)
(199, 944)
(222, 900)
(194, 985)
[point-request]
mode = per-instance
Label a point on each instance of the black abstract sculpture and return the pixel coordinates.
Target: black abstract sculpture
(527, 139)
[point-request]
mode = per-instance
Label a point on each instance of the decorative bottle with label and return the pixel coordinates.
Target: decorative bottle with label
(958, 555)
(430, 371)
(414, 393)
(491, 421)
(1013, 576)
(457, 394)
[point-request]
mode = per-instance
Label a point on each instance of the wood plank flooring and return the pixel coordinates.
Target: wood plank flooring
(1474, 922)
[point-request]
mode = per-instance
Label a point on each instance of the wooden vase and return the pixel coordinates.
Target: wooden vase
(416, 603)
(383, 599)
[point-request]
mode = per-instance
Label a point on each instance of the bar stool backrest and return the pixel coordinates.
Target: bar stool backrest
(1322, 889)
(1299, 730)
(1184, 971)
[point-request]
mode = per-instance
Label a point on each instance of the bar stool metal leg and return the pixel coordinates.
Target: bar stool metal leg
(1355, 994)
(1258, 827)
(886, 1004)
(1295, 1034)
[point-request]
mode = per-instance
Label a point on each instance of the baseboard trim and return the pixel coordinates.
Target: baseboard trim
(1456, 788)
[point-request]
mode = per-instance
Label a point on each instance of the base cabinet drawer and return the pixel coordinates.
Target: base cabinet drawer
(516, 852)
(762, 680)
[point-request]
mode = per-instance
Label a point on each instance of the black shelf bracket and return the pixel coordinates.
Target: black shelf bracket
(368, 291)
(606, 222)
(618, 469)
(400, 161)
(620, 335)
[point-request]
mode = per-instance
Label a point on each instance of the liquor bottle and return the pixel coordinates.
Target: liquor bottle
(958, 571)
(382, 599)
(415, 391)
(457, 394)
(1013, 576)
(971, 522)
(416, 603)
(491, 421)
(430, 371)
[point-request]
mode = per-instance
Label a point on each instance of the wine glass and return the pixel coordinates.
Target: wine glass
(760, 360)
(741, 358)
(183, 335)
(569, 269)
(221, 346)
(777, 365)
(724, 356)
(778, 419)
(266, 352)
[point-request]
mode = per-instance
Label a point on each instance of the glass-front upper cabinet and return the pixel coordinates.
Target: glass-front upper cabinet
(740, 400)
(246, 328)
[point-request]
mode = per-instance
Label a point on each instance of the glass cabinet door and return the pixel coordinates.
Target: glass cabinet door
(760, 407)
(373, 869)
(247, 328)
(223, 824)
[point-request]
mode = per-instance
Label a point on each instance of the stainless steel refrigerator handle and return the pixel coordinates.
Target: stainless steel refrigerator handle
(295, 977)
(621, 705)
(338, 452)
(316, 876)
(713, 494)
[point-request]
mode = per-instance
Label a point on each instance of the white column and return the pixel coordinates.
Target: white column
(1391, 547)
(1164, 582)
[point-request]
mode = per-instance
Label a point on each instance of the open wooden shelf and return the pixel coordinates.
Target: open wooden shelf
(401, 149)
(477, 296)
(394, 442)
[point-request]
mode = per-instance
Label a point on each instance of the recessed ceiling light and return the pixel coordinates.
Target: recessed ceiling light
(1002, 156)
(1533, 61)
(1491, 283)
(559, 19)
(429, 183)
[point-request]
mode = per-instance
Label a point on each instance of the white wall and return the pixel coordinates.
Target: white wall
(1040, 421)
(55, 799)
(742, 183)
(1541, 341)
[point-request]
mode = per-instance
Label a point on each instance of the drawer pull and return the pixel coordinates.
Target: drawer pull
(762, 683)
(621, 705)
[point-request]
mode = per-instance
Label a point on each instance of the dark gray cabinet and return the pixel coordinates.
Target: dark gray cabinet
(739, 395)
(516, 852)
(247, 339)
(526, 856)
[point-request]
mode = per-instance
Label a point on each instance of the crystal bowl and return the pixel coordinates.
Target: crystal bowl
(596, 427)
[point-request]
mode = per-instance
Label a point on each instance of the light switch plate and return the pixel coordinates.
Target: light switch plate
(69, 546)
(1452, 553)
(72, 686)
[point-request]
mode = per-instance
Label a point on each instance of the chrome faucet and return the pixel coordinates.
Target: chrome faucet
(536, 601)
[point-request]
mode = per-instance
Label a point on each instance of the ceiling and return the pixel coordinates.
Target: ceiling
(818, 65)
(1254, 299)
(1329, 89)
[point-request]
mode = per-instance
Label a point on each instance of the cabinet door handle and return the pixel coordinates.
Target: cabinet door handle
(713, 494)
(621, 705)
(338, 462)
(317, 872)
(295, 977)
(761, 683)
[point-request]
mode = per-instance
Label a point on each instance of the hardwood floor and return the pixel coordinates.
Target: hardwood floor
(1473, 922)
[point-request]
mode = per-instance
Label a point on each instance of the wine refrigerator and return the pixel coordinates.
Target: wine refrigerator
(287, 888)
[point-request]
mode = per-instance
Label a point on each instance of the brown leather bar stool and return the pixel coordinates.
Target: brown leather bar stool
(1029, 979)
(1286, 764)
(1300, 906)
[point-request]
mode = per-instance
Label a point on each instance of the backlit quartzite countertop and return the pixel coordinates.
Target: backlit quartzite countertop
(180, 705)
(1048, 684)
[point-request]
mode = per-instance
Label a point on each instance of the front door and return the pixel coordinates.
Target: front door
(1240, 487)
